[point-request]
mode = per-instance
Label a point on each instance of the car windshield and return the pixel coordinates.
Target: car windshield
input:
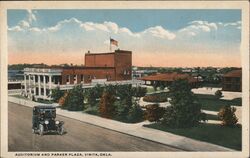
(48, 113)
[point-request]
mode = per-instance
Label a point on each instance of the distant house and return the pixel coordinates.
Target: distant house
(231, 81)
(168, 78)
(14, 79)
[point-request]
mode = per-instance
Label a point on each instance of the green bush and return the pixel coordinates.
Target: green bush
(122, 109)
(135, 114)
(218, 94)
(154, 113)
(56, 94)
(156, 98)
(94, 110)
(203, 117)
(92, 94)
(227, 115)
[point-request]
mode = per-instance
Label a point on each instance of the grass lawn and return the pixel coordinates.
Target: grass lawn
(150, 90)
(93, 110)
(210, 102)
(212, 133)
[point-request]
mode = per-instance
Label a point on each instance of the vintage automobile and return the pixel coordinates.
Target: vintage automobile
(43, 120)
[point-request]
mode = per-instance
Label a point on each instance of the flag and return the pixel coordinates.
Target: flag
(114, 42)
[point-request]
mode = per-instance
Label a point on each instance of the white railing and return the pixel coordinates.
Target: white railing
(90, 85)
(42, 70)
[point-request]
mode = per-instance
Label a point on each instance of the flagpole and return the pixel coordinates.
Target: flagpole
(110, 44)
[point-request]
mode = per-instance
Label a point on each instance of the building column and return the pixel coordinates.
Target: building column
(25, 84)
(44, 86)
(50, 77)
(39, 85)
(34, 81)
(29, 84)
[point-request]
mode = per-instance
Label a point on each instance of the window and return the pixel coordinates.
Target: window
(82, 79)
(68, 79)
(75, 79)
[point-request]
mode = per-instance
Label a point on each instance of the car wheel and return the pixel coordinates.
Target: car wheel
(61, 130)
(41, 129)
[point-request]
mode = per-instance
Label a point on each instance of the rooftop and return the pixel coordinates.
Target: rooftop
(116, 51)
(234, 73)
(168, 77)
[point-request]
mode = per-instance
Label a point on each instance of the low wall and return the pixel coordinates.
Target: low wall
(27, 102)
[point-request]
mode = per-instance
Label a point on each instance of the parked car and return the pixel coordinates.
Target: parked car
(44, 120)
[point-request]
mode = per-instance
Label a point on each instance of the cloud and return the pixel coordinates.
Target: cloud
(198, 27)
(159, 31)
(73, 35)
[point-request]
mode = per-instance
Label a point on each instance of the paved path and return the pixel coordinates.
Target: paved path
(79, 137)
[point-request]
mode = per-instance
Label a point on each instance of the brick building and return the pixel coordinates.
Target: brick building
(99, 68)
(231, 81)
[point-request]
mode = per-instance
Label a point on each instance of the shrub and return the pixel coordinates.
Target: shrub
(227, 115)
(157, 98)
(203, 117)
(93, 94)
(218, 94)
(139, 91)
(122, 109)
(94, 110)
(155, 86)
(154, 113)
(56, 94)
(169, 116)
(106, 107)
(184, 110)
(135, 114)
(61, 101)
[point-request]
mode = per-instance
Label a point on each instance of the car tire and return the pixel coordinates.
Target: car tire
(61, 130)
(41, 129)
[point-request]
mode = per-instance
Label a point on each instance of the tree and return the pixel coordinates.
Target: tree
(155, 86)
(227, 115)
(122, 109)
(135, 113)
(184, 110)
(93, 94)
(75, 99)
(154, 112)
(106, 107)
(139, 92)
(56, 94)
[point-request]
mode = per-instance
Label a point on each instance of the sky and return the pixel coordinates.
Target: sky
(166, 37)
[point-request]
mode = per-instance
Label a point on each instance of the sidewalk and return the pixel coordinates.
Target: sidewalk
(137, 130)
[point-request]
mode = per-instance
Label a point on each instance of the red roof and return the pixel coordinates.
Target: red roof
(234, 73)
(168, 77)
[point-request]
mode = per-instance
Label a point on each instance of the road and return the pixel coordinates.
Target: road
(80, 136)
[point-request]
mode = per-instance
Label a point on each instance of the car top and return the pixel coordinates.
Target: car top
(44, 107)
